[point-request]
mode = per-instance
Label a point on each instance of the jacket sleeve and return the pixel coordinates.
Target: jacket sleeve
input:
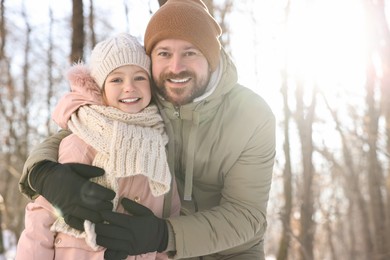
(74, 150)
(238, 222)
(37, 241)
(84, 91)
(47, 150)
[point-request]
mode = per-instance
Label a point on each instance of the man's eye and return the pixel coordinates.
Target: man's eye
(190, 53)
(163, 54)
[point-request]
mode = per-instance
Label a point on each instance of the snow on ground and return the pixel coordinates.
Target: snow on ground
(10, 242)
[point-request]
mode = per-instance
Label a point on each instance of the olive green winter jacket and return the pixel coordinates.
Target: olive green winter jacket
(221, 149)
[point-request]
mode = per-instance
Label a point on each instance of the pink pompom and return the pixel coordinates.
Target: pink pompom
(81, 81)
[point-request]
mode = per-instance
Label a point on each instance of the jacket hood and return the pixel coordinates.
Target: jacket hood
(225, 75)
(84, 91)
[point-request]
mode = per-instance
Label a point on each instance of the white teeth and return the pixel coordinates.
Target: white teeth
(179, 80)
(129, 100)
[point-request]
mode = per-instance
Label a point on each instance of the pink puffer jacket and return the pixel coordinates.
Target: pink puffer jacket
(37, 242)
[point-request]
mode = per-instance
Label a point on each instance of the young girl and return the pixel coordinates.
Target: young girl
(116, 127)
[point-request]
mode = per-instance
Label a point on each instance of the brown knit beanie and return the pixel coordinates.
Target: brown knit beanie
(112, 53)
(187, 20)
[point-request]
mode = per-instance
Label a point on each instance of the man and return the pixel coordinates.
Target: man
(221, 149)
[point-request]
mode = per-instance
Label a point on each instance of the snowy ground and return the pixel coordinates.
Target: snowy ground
(10, 242)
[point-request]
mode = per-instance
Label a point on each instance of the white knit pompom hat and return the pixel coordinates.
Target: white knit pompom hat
(108, 55)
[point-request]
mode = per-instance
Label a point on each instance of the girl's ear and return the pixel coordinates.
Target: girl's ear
(103, 93)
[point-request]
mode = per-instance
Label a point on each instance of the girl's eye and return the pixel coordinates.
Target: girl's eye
(116, 80)
(139, 78)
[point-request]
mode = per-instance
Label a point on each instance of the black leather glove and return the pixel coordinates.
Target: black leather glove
(67, 187)
(140, 233)
(110, 254)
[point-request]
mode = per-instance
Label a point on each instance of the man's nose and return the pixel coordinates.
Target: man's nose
(177, 64)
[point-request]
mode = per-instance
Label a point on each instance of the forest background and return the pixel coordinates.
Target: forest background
(322, 65)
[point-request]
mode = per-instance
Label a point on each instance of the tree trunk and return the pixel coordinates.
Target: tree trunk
(287, 175)
(375, 175)
(78, 34)
(384, 50)
(2, 30)
(358, 228)
(305, 120)
(161, 2)
(92, 23)
(50, 63)
(2, 45)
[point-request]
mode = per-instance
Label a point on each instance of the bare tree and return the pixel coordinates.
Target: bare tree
(2, 29)
(350, 176)
(2, 45)
(49, 66)
(375, 174)
(161, 2)
(78, 34)
(91, 23)
(220, 13)
(383, 36)
(374, 171)
(287, 176)
(287, 171)
(305, 118)
(14, 99)
(26, 90)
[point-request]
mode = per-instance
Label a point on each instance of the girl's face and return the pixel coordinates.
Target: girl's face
(128, 89)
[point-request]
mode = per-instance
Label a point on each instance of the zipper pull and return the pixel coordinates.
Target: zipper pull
(176, 113)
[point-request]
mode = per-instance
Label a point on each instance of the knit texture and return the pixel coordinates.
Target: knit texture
(187, 20)
(108, 55)
(126, 145)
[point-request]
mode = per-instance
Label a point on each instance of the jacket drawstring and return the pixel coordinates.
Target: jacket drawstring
(171, 163)
(190, 157)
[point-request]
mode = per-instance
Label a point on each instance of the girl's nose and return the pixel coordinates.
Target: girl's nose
(128, 87)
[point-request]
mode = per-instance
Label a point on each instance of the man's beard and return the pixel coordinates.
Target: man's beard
(198, 87)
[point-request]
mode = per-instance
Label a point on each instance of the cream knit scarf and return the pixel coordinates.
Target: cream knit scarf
(126, 145)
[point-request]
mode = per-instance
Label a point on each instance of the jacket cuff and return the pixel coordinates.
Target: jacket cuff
(171, 247)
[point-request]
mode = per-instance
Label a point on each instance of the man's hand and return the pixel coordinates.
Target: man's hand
(138, 233)
(110, 254)
(68, 188)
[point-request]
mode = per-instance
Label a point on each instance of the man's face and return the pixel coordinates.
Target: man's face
(180, 71)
